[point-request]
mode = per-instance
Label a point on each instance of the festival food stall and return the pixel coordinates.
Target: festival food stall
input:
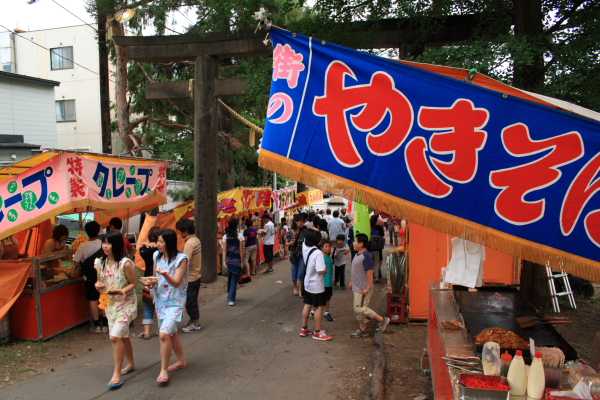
(43, 297)
(460, 155)
(237, 203)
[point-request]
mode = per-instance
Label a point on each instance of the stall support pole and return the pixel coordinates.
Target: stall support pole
(38, 301)
(206, 162)
(275, 212)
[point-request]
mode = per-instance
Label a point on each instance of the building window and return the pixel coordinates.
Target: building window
(61, 58)
(65, 111)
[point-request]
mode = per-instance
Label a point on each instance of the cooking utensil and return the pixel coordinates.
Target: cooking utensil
(531, 318)
(461, 362)
(527, 322)
(471, 371)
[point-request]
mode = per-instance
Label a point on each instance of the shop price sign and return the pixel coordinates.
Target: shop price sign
(449, 154)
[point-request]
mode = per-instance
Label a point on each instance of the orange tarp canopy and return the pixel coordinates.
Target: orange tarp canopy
(164, 221)
(13, 277)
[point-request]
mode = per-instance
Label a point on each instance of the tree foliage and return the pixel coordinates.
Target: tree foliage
(557, 56)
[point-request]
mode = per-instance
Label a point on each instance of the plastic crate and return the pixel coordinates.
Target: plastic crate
(396, 307)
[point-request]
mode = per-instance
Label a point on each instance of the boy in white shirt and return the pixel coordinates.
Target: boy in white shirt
(314, 286)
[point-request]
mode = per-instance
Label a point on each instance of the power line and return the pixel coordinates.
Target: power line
(45, 48)
(173, 31)
(184, 16)
(69, 11)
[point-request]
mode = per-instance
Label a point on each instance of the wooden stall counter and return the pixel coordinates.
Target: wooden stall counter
(445, 343)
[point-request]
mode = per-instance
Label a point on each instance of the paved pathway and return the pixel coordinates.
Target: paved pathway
(249, 351)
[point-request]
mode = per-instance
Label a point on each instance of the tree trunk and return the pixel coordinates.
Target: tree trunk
(300, 187)
(104, 86)
(529, 24)
(121, 85)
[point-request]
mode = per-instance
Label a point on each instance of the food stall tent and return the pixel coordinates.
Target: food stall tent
(42, 187)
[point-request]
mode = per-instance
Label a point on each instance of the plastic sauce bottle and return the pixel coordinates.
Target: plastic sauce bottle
(491, 358)
(536, 382)
(505, 364)
(517, 375)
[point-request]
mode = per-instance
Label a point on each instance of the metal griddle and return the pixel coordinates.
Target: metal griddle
(480, 311)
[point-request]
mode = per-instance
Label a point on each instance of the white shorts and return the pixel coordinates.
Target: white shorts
(167, 326)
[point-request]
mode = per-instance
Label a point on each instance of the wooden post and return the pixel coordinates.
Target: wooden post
(206, 162)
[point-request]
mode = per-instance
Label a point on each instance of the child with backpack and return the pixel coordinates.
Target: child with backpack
(314, 286)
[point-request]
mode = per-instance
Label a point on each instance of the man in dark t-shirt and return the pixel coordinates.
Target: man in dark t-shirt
(250, 251)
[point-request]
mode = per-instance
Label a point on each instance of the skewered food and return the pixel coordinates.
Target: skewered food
(552, 356)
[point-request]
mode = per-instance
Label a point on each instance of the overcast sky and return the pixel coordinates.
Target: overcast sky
(46, 14)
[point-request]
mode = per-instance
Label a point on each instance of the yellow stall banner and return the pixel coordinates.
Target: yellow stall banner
(233, 202)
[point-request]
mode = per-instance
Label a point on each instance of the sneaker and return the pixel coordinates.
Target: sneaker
(191, 327)
(312, 313)
(269, 271)
(359, 333)
(343, 287)
(383, 324)
(376, 280)
(104, 329)
(321, 335)
(231, 303)
(96, 329)
(306, 332)
(334, 283)
(328, 317)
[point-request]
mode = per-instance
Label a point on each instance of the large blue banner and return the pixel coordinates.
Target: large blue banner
(510, 165)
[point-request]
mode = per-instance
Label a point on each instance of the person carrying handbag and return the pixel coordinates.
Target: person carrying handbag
(294, 241)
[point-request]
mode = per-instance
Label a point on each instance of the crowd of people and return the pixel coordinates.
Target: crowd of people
(317, 245)
(105, 261)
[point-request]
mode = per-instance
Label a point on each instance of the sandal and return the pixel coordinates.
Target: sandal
(162, 379)
(175, 367)
(143, 336)
(114, 384)
(127, 371)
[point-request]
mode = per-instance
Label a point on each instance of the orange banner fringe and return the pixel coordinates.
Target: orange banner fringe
(434, 219)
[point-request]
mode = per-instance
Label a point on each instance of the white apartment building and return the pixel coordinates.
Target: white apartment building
(71, 58)
(27, 116)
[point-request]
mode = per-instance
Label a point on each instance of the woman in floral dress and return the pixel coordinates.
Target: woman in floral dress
(170, 295)
(116, 276)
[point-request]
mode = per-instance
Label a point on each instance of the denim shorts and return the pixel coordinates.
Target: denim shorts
(148, 314)
(298, 269)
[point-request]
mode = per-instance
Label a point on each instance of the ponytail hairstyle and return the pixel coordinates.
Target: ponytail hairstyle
(231, 230)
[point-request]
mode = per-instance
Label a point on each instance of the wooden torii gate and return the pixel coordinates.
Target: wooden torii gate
(206, 51)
